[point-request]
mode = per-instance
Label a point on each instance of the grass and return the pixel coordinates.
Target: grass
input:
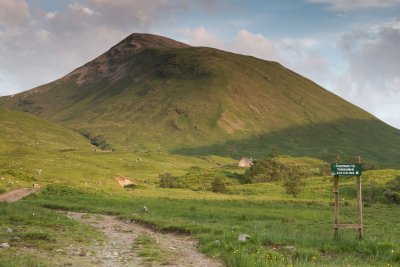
(14, 258)
(284, 231)
(151, 252)
(33, 232)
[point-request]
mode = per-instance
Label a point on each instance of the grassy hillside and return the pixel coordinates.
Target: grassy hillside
(168, 97)
(24, 134)
(30, 147)
(33, 150)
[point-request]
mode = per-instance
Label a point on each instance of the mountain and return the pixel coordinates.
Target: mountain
(151, 92)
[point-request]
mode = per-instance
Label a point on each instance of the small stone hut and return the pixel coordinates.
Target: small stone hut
(245, 162)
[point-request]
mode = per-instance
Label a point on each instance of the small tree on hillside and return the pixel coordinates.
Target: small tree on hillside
(392, 192)
(295, 181)
(267, 170)
(218, 186)
(167, 180)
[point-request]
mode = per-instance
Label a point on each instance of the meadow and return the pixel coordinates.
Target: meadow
(285, 231)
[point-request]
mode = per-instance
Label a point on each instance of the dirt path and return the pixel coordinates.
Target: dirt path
(177, 250)
(16, 195)
(118, 248)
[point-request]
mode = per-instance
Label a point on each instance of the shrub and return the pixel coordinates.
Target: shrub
(295, 181)
(272, 169)
(392, 192)
(218, 186)
(266, 170)
(371, 192)
(167, 180)
(392, 197)
(324, 170)
(202, 179)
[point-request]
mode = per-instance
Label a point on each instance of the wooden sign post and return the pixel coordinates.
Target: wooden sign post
(347, 169)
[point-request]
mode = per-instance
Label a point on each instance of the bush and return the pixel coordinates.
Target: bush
(324, 170)
(371, 192)
(392, 192)
(272, 169)
(392, 197)
(295, 181)
(218, 186)
(202, 179)
(167, 180)
(266, 170)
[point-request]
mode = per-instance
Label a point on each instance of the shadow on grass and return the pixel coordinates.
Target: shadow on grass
(373, 140)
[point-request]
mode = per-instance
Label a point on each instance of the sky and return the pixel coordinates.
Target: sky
(350, 47)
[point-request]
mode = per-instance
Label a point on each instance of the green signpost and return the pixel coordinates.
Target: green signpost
(346, 169)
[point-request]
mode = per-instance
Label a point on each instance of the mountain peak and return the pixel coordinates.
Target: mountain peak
(145, 40)
(113, 63)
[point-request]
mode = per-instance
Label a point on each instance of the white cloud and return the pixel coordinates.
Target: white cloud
(372, 79)
(51, 15)
(200, 37)
(373, 58)
(81, 9)
(141, 13)
(255, 45)
(245, 42)
(345, 5)
(12, 12)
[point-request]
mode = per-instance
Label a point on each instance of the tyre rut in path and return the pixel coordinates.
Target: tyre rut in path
(117, 250)
(17, 194)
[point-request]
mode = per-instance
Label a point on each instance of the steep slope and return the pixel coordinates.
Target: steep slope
(152, 92)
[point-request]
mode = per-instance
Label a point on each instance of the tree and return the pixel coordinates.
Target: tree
(273, 168)
(218, 186)
(266, 170)
(295, 181)
(166, 180)
(392, 192)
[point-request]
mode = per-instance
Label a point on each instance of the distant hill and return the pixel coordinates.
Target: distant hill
(151, 92)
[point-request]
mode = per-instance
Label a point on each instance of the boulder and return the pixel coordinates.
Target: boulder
(243, 237)
(124, 181)
(4, 245)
